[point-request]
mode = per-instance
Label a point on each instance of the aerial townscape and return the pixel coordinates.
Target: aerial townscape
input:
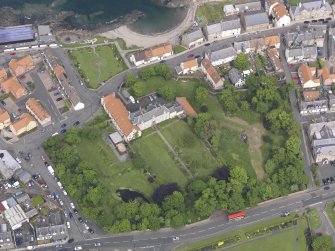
(217, 134)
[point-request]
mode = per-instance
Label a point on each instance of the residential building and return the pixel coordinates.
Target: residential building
(51, 228)
(269, 4)
(327, 77)
(242, 47)
(4, 118)
(36, 109)
(311, 95)
(296, 55)
(222, 56)
(249, 7)
(230, 10)
(21, 66)
(154, 114)
(322, 140)
(280, 15)
(223, 29)
(311, 10)
(23, 176)
(188, 109)
(313, 107)
(273, 55)
(8, 165)
(257, 44)
(235, 78)
(211, 75)
(272, 41)
(255, 22)
(120, 117)
(13, 86)
(307, 76)
(25, 124)
(189, 66)
(3, 74)
(311, 37)
(155, 53)
(331, 102)
(192, 38)
(331, 32)
(6, 239)
(15, 216)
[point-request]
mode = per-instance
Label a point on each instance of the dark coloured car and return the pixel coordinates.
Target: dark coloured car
(76, 123)
(324, 181)
(80, 220)
(321, 20)
(328, 18)
(46, 163)
(70, 241)
(326, 188)
(162, 61)
(91, 231)
(63, 125)
(306, 22)
(207, 44)
(328, 180)
(197, 56)
(190, 56)
(70, 215)
(3, 102)
(75, 211)
(63, 131)
(59, 99)
(331, 179)
(314, 21)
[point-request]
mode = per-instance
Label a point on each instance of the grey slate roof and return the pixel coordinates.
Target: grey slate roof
(310, 51)
(323, 137)
(310, 6)
(234, 76)
(249, 6)
(242, 46)
(14, 34)
(295, 52)
(220, 54)
(193, 35)
(256, 19)
(223, 26)
(331, 31)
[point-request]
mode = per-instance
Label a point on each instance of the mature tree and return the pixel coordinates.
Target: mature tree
(175, 202)
(139, 89)
(130, 80)
(323, 243)
(147, 72)
(242, 62)
(229, 100)
(239, 174)
(204, 126)
(168, 91)
(163, 71)
(244, 106)
(72, 137)
(197, 186)
(293, 148)
(201, 94)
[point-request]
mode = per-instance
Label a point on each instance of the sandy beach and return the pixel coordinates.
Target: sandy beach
(134, 38)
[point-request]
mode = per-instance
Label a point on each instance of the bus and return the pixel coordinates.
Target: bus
(236, 216)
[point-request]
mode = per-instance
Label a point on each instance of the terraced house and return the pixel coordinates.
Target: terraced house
(36, 109)
(155, 53)
(21, 66)
(311, 10)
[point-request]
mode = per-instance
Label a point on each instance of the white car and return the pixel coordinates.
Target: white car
(78, 248)
(72, 205)
(64, 192)
(60, 185)
(18, 160)
(175, 238)
(86, 226)
(61, 202)
(68, 224)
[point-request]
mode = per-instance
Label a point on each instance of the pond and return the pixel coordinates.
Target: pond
(128, 195)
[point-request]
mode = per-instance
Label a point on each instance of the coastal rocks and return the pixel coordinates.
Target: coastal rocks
(175, 3)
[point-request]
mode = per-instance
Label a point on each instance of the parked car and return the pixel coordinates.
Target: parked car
(75, 211)
(63, 131)
(80, 220)
(56, 93)
(326, 188)
(18, 160)
(76, 123)
(59, 99)
(86, 226)
(175, 238)
(285, 214)
(97, 244)
(72, 205)
(207, 44)
(70, 241)
(63, 125)
(78, 248)
(68, 224)
(190, 56)
(91, 231)
(64, 192)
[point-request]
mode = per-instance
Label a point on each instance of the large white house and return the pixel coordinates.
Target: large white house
(153, 54)
(222, 56)
(280, 15)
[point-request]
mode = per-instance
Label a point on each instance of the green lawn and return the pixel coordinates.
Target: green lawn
(330, 212)
(280, 241)
(211, 12)
(178, 49)
(158, 159)
(314, 219)
(190, 148)
(234, 151)
(97, 65)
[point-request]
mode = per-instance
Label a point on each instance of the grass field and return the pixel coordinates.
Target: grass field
(190, 148)
(98, 64)
(160, 162)
(178, 49)
(280, 240)
(330, 212)
(211, 12)
(314, 219)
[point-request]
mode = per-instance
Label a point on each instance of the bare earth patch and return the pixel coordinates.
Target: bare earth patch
(254, 133)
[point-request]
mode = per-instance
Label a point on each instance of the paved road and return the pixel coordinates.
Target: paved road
(163, 239)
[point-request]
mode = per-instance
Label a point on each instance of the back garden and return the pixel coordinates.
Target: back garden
(226, 172)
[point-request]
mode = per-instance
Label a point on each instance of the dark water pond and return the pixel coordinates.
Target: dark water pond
(127, 195)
